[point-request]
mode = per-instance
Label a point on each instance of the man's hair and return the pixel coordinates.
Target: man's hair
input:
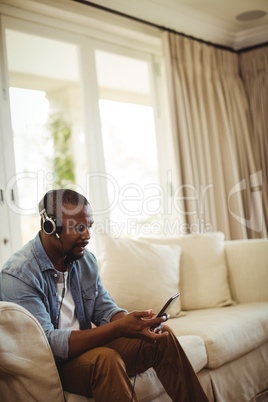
(55, 200)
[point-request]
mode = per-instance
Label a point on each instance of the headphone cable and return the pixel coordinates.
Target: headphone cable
(64, 286)
(136, 370)
(62, 296)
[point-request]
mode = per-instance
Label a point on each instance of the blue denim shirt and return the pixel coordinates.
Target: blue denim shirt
(29, 278)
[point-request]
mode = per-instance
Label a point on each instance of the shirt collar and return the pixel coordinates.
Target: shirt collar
(42, 257)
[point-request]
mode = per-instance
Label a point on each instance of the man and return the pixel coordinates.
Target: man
(56, 278)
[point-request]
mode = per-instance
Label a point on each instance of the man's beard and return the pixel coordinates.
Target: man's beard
(71, 257)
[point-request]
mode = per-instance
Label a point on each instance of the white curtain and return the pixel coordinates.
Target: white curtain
(211, 123)
(254, 71)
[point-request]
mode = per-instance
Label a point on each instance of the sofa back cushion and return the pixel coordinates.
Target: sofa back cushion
(247, 262)
(139, 275)
(203, 270)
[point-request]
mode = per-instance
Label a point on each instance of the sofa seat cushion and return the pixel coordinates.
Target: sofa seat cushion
(228, 332)
(195, 349)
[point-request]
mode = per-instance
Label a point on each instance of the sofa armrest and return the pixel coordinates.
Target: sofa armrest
(27, 368)
(247, 262)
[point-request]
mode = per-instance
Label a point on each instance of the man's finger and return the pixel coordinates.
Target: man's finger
(146, 313)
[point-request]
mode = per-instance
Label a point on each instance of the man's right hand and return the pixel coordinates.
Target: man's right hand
(138, 324)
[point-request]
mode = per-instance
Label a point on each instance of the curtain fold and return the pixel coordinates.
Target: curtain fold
(254, 72)
(211, 125)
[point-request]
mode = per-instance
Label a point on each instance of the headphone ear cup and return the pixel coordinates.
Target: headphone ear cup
(49, 225)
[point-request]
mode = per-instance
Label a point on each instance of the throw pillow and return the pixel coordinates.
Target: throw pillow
(140, 276)
(203, 270)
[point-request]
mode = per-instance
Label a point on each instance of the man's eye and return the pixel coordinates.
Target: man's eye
(80, 228)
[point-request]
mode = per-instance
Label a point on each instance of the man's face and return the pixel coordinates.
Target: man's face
(77, 222)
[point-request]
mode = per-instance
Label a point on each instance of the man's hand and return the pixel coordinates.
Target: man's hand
(158, 328)
(143, 325)
(137, 324)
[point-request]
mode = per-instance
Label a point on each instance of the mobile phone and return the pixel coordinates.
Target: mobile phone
(165, 308)
(168, 304)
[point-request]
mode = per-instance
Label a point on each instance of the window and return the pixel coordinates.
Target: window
(103, 96)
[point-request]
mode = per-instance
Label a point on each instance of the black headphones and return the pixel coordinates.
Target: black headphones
(51, 225)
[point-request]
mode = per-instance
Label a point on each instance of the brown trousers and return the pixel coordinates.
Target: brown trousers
(104, 372)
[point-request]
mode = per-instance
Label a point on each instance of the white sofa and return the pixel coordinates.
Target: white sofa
(221, 318)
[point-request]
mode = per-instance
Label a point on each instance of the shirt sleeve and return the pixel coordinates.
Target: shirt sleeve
(105, 307)
(16, 290)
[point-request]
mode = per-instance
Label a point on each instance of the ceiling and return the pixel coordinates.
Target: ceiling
(211, 20)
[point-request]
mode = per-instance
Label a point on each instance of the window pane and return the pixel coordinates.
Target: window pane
(129, 141)
(46, 117)
(30, 110)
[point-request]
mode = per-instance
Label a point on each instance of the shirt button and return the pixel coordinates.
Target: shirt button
(55, 275)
